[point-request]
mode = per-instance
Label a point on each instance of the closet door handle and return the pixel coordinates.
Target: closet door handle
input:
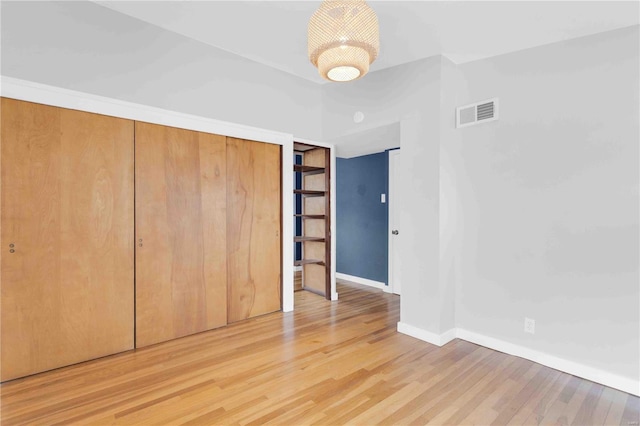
(395, 232)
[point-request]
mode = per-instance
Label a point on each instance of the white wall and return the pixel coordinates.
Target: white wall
(451, 228)
(545, 201)
(535, 214)
(85, 47)
(409, 95)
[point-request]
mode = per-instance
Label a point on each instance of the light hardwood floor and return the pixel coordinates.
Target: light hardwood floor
(327, 363)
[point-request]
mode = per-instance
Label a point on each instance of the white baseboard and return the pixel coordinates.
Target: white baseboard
(590, 373)
(360, 280)
(427, 336)
(606, 378)
(447, 336)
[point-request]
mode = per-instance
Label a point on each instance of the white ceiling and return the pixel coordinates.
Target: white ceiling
(274, 33)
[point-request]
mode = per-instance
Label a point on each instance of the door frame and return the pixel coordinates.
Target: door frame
(332, 207)
(393, 178)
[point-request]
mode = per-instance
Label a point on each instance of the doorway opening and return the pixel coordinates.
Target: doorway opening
(312, 239)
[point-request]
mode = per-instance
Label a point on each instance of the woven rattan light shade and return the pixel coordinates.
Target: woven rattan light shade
(343, 39)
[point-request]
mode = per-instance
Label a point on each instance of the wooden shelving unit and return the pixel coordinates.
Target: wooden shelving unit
(307, 239)
(307, 170)
(310, 216)
(309, 193)
(308, 262)
(316, 226)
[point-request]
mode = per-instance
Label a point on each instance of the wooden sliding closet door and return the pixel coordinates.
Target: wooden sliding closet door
(67, 237)
(181, 275)
(253, 228)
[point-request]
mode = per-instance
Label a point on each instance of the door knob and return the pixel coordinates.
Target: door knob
(395, 232)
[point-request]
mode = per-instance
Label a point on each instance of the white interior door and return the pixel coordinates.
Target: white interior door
(394, 215)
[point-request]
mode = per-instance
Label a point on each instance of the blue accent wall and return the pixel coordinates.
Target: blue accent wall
(361, 219)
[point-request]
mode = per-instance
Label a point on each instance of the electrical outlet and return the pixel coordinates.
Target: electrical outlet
(530, 326)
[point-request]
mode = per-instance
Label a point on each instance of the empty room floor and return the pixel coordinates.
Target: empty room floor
(327, 363)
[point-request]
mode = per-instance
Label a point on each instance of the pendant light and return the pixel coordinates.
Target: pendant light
(343, 39)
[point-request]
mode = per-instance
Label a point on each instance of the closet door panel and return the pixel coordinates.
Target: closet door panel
(180, 233)
(253, 228)
(67, 214)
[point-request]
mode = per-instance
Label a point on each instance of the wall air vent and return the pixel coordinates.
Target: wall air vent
(479, 112)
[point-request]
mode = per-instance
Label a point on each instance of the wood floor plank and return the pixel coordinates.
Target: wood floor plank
(616, 410)
(631, 414)
(564, 410)
(537, 413)
(326, 363)
(585, 413)
(602, 407)
(534, 400)
(516, 404)
(463, 406)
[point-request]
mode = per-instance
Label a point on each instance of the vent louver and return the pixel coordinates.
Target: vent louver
(479, 112)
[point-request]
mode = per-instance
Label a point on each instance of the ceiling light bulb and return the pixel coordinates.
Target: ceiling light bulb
(343, 73)
(343, 63)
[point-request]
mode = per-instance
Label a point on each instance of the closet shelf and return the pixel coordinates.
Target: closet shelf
(309, 193)
(308, 262)
(311, 216)
(307, 239)
(307, 170)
